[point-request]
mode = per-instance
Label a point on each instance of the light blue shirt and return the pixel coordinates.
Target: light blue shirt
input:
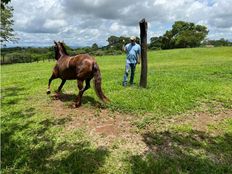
(132, 51)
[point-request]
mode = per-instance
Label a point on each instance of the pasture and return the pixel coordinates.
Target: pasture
(182, 122)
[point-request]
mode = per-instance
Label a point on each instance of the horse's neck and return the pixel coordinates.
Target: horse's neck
(63, 58)
(62, 53)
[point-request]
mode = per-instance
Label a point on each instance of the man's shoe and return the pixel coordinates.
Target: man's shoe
(124, 84)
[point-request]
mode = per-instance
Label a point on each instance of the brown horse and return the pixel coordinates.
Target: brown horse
(81, 67)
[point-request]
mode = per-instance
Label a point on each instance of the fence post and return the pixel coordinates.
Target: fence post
(3, 59)
(143, 38)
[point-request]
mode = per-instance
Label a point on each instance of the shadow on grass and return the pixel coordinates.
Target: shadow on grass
(12, 95)
(30, 145)
(72, 98)
(192, 152)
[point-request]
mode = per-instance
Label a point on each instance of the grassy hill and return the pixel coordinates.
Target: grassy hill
(182, 122)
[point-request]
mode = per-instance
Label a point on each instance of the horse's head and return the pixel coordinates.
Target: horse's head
(59, 49)
(62, 47)
(56, 49)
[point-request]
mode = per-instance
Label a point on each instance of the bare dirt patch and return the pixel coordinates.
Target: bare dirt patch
(105, 127)
(192, 131)
(116, 130)
(197, 120)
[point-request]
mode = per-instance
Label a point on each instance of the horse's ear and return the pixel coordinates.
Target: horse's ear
(55, 42)
(61, 43)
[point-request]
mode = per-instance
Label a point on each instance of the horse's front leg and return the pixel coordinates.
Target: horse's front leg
(61, 85)
(53, 76)
(81, 91)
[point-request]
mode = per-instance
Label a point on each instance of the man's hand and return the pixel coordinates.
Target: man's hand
(123, 48)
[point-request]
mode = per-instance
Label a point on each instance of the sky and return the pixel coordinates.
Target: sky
(80, 23)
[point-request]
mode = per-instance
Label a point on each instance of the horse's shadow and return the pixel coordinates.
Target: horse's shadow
(66, 98)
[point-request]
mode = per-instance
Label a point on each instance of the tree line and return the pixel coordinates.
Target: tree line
(182, 35)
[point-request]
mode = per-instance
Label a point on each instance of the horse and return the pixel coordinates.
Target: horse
(82, 67)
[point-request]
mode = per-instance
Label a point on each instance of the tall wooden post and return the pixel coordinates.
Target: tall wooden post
(143, 37)
(3, 59)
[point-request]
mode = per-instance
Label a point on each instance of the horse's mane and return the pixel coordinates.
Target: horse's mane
(63, 47)
(56, 50)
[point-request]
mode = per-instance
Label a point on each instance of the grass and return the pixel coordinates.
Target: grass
(35, 141)
(177, 80)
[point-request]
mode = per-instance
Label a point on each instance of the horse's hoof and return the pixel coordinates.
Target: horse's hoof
(77, 105)
(48, 92)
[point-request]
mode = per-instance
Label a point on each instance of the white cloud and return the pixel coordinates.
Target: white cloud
(221, 14)
(114, 27)
(83, 22)
(57, 23)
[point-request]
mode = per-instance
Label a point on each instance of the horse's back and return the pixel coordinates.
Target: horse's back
(84, 66)
(76, 67)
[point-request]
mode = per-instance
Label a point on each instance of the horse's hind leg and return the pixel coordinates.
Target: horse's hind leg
(61, 85)
(81, 91)
(53, 76)
(87, 84)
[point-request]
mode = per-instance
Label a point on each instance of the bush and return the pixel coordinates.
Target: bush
(19, 57)
(98, 53)
(25, 57)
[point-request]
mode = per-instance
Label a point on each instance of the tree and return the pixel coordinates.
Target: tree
(94, 47)
(116, 43)
(7, 32)
(188, 34)
(4, 3)
(113, 40)
(182, 35)
(155, 43)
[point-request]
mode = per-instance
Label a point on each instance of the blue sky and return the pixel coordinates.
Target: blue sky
(84, 22)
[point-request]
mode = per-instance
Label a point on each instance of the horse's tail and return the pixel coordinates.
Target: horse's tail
(97, 83)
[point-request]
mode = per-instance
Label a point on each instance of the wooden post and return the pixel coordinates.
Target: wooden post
(3, 59)
(143, 38)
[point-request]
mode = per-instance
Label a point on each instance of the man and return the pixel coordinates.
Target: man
(133, 55)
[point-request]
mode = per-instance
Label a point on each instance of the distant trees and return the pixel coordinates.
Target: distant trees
(182, 35)
(117, 42)
(217, 43)
(24, 55)
(156, 43)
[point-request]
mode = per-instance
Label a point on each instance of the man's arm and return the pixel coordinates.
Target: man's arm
(139, 55)
(123, 46)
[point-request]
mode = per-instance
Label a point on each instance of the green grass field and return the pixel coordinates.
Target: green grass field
(182, 122)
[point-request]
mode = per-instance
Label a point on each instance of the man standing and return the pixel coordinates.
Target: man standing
(133, 55)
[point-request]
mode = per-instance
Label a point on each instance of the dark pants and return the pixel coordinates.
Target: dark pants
(129, 67)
